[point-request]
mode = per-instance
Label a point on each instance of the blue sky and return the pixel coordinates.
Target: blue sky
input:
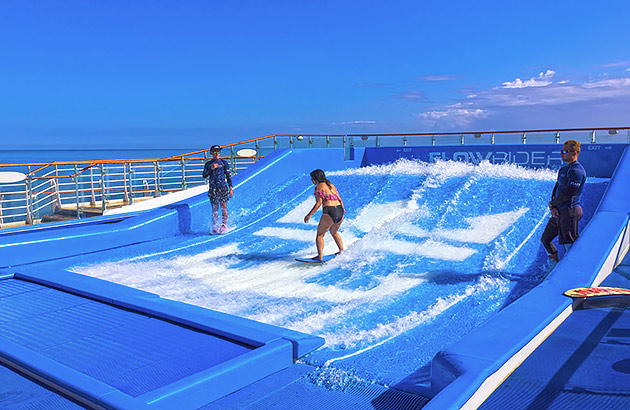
(166, 73)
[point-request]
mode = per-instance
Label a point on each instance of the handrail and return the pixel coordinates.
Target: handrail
(113, 182)
(491, 132)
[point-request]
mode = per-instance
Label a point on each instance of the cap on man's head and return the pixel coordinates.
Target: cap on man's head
(215, 148)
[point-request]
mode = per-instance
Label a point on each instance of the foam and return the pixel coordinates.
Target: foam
(374, 216)
(484, 228)
(349, 337)
(296, 215)
(442, 170)
(429, 248)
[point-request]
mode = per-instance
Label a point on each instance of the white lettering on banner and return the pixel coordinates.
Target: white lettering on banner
(533, 158)
(433, 156)
(538, 158)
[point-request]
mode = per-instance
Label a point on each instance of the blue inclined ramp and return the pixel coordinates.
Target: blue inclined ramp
(26, 245)
(465, 373)
(125, 348)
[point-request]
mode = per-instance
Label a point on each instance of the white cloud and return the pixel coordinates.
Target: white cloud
(536, 95)
(355, 123)
(411, 95)
(457, 116)
(438, 77)
(543, 80)
(617, 64)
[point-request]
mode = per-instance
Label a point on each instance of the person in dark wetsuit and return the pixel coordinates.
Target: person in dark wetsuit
(220, 190)
(332, 213)
(566, 211)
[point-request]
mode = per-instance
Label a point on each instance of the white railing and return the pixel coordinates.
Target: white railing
(85, 188)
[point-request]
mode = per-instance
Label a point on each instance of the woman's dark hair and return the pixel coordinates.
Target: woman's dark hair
(319, 176)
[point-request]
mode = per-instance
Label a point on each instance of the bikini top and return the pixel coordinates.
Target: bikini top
(327, 197)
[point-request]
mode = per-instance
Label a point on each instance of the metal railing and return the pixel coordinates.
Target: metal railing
(90, 187)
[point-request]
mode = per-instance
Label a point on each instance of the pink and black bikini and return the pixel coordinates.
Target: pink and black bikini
(335, 212)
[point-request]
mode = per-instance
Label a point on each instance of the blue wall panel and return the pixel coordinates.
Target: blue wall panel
(598, 159)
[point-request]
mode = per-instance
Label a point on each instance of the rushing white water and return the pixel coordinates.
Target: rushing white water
(431, 251)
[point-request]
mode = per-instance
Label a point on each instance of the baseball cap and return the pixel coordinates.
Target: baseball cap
(215, 148)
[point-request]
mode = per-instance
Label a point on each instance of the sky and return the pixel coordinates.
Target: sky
(190, 73)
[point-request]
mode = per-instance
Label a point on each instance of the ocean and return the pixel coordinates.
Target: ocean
(21, 156)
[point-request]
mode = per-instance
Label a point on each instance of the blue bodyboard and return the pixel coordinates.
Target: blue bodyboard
(326, 258)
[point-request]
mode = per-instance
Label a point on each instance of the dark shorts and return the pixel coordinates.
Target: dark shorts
(335, 212)
(565, 227)
(218, 195)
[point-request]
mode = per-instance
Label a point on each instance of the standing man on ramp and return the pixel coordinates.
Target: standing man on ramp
(566, 211)
(220, 190)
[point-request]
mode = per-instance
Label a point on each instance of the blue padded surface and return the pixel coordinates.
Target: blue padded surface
(18, 392)
(134, 353)
(585, 363)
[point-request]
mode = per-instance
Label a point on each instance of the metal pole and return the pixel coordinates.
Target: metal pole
(275, 143)
(29, 198)
(290, 141)
(377, 142)
(183, 162)
(492, 139)
(126, 197)
(432, 139)
(524, 138)
(103, 191)
(557, 137)
(345, 156)
(131, 194)
(76, 191)
(404, 140)
(93, 198)
(461, 139)
(233, 160)
(327, 141)
(156, 178)
(257, 146)
(593, 137)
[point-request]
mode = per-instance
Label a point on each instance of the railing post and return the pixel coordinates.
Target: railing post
(432, 139)
(404, 140)
(557, 137)
(345, 156)
(524, 138)
(232, 159)
(29, 198)
(125, 189)
(461, 139)
(257, 146)
(93, 198)
(275, 143)
(492, 139)
(76, 191)
(593, 137)
(103, 190)
(327, 141)
(183, 161)
(377, 142)
(310, 141)
(156, 178)
(290, 141)
(131, 193)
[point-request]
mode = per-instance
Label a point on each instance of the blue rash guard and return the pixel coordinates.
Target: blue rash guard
(218, 177)
(566, 194)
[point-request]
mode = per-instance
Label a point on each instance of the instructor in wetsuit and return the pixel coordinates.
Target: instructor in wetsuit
(332, 213)
(566, 211)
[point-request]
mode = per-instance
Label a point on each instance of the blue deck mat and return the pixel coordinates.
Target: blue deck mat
(132, 352)
(584, 364)
(20, 393)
